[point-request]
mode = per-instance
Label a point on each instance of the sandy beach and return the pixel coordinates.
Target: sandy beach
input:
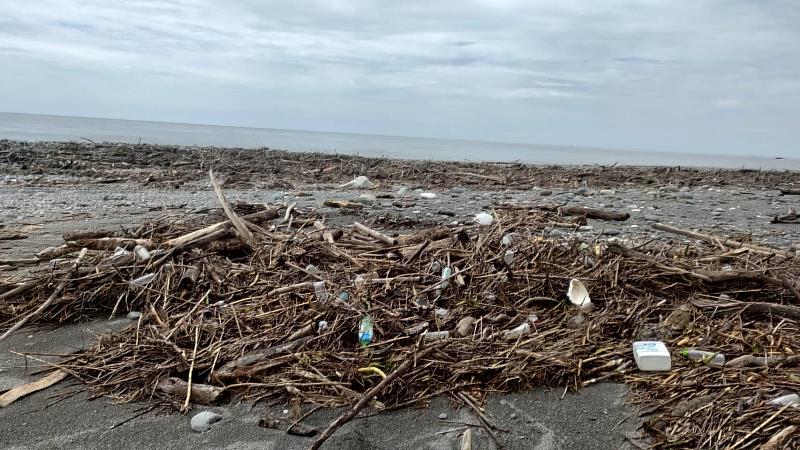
(49, 188)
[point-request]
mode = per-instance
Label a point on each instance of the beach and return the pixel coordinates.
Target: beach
(51, 188)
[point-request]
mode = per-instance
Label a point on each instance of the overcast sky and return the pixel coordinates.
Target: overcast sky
(694, 75)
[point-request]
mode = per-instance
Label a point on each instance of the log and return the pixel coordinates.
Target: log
(29, 388)
(789, 191)
(203, 394)
(374, 234)
(726, 242)
(593, 213)
(228, 370)
(241, 228)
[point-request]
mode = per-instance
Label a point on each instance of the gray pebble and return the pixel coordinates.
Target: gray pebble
(545, 193)
(443, 416)
(134, 315)
(201, 422)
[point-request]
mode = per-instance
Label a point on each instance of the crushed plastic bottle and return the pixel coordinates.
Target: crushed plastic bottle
(508, 257)
(708, 358)
(446, 273)
(508, 239)
(321, 292)
(784, 400)
(141, 253)
(365, 331)
(144, 280)
(435, 335)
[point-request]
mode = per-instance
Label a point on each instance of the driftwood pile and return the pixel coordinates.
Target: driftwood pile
(267, 307)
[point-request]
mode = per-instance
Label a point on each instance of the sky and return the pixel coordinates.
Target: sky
(707, 76)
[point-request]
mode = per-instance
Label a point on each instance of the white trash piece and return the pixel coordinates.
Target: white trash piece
(427, 195)
(483, 219)
(578, 294)
(320, 291)
(652, 356)
(792, 400)
(360, 182)
(141, 253)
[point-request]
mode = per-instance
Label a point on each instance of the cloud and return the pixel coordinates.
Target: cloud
(624, 73)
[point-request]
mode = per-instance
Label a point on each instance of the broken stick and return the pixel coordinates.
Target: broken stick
(375, 234)
(47, 302)
(726, 242)
(237, 222)
(369, 395)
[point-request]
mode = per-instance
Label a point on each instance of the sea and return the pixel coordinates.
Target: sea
(37, 127)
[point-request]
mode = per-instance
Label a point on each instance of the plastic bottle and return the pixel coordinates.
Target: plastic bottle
(320, 291)
(446, 273)
(508, 257)
(365, 331)
(708, 358)
(141, 253)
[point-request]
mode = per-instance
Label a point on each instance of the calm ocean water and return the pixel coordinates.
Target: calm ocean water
(61, 128)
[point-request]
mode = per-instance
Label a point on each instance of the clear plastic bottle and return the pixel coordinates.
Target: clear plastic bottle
(365, 331)
(708, 358)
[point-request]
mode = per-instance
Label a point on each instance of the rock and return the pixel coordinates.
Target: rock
(366, 198)
(427, 195)
(555, 232)
(464, 326)
(445, 212)
(668, 188)
(202, 421)
(545, 193)
(650, 218)
(680, 318)
(443, 416)
(586, 228)
(607, 191)
(134, 315)
(611, 232)
(458, 190)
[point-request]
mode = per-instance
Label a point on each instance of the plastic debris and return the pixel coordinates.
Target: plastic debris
(508, 257)
(360, 182)
(518, 332)
(144, 280)
(578, 294)
(365, 331)
(792, 400)
(141, 253)
(322, 325)
(652, 356)
(435, 335)
(446, 274)
(707, 358)
(483, 219)
(320, 291)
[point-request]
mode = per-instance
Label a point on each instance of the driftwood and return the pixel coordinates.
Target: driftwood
(369, 395)
(229, 370)
(751, 308)
(593, 213)
(203, 394)
(763, 361)
(717, 241)
(219, 226)
(47, 302)
(241, 228)
(375, 234)
(29, 388)
(779, 439)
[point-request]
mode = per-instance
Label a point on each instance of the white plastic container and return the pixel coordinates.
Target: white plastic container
(652, 356)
